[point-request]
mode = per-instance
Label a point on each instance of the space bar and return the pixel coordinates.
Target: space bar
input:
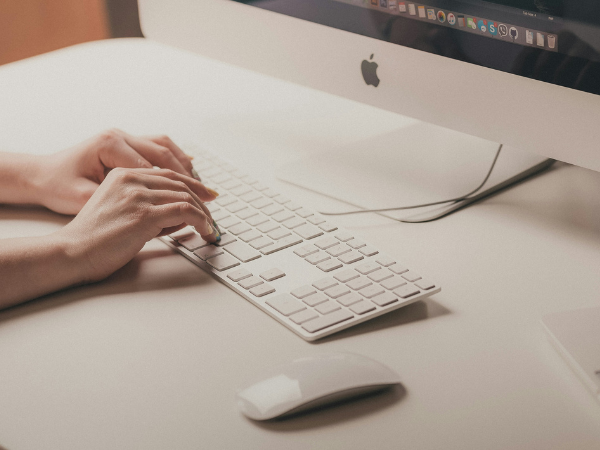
(326, 321)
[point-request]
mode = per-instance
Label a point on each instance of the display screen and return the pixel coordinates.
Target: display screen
(556, 41)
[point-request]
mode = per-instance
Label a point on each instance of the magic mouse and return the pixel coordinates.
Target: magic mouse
(313, 381)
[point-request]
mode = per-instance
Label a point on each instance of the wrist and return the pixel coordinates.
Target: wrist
(19, 178)
(68, 254)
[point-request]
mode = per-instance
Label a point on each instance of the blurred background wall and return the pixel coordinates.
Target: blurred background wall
(31, 27)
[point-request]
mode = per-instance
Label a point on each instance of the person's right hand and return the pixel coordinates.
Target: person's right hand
(131, 207)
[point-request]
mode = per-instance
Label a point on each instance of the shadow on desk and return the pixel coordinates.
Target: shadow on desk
(338, 412)
(133, 277)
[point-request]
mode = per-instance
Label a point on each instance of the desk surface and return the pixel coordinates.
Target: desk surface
(151, 357)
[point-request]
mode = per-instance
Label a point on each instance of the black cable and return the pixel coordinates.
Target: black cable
(400, 208)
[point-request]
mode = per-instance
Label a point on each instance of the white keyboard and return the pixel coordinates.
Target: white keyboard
(292, 263)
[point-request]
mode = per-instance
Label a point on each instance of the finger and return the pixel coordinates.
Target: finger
(166, 141)
(115, 152)
(158, 155)
(204, 193)
(175, 214)
(152, 181)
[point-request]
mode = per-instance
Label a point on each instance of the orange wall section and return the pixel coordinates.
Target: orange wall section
(31, 27)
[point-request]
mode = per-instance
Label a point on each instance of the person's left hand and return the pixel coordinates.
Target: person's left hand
(66, 180)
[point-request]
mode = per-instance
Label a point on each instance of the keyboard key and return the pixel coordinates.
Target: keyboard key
(267, 226)
(225, 200)
(223, 262)
(183, 233)
(235, 207)
(279, 233)
(406, 291)
(385, 299)
(352, 257)
(229, 222)
(328, 307)
(317, 258)
(272, 209)
(241, 190)
(337, 291)
(398, 269)
(368, 251)
(221, 178)
(259, 186)
(220, 215)
(425, 285)
(315, 299)
(411, 276)
(303, 291)
(325, 283)
(238, 173)
(316, 219)
(356, 243)
(326, 226)
(281, 244)
(250, 196)
(239, 228)
(371, 291)
(304, 213)
(270, 193)
(285, 304)
(367, 268)
(281, 199)
(385, 261)
(303, 316)
(327, 321)
(293, 222)
(293, 206)
(242, 251)
(210, 251)
(379, 275)
(250, 282)
(346, 275)
(326, 242)
(282, 216)
(261, 242)
(338, 250)
(329, 265)
(225, 239)
(249, 235)
(257, 220)
(393, 283)
(343, 236)
(246, 213)
(262, 290)
(306, 250)
(193, 242)
(349, 299)
(359, 283)
(362, 307)
(231, 184)
(248, 179)
(238, 275)
(261, 203)
(272, 274)
(308, 231)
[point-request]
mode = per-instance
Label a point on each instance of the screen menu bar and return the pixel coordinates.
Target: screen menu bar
(454, 19)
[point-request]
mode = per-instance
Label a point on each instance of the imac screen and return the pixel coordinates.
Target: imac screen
(556, 41)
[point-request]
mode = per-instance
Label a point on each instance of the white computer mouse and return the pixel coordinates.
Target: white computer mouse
(313, 381)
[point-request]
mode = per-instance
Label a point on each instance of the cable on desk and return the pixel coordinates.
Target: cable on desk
(401, 208)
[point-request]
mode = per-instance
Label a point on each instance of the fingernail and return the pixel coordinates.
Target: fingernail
(217, 231)
(207, 230)
(195, 175)
(189, 156)
(212, 192)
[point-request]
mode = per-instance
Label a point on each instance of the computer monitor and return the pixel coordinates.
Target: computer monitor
(524, 73)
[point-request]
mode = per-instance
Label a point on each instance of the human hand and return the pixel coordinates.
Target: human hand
(66, 180)
(131, 207)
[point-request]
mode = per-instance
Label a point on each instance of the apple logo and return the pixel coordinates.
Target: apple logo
(369, 72)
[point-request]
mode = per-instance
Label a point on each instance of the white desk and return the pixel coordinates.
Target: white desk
(150, 358)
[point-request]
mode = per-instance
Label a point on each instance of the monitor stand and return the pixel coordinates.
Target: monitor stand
(417, 164)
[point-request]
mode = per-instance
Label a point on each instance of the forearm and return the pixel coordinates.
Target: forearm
(31, 267)
(18, 174)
